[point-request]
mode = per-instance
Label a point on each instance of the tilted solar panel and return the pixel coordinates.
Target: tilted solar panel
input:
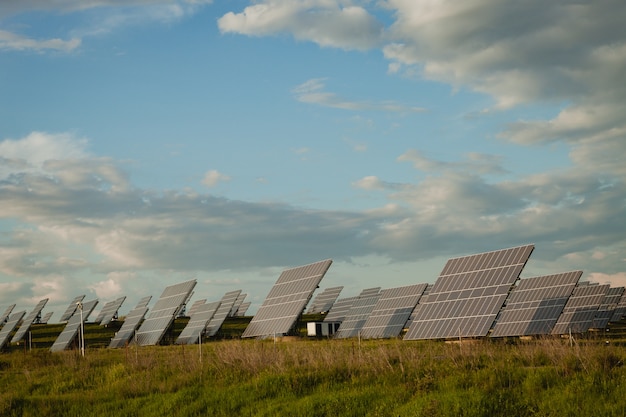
(226, 304)
(71, 308)
(468, 295)
(10, 325)
(323, 302)
(46, 318)
(109, 311)
(197, 323)
(581, 308)
(164, 312)
(130, 325)
(195, 305)
(243, 308)
(28, 320)
(535, 304)
(607, 308)
(392, 311)
(358, 314)
(287, 300)
(340, 308)
(237, 304)
(5, 315)
(620, 309)
(72, 327)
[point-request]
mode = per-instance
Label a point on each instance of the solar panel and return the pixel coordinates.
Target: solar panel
(607, 308)
(30, 319)
(222, 312)
(71, 308)
(197, 324)
(5, 316)
(620, 309)
(535, 304)
(323, 302)
(10, 325)
(144, 301)
(195, 305)
(339, 309)
(392, 311)
(287, 300)
(46, 318)
(164, 312)
(237, 304)
(109, 311)
(72, 327)
(131, 323)
(358, 314)
(243, 308)
(422, 301)
(468, 294)
(581, 308)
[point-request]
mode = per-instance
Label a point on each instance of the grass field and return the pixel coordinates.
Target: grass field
(303, 377)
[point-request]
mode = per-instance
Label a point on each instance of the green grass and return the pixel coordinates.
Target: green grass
(302, 377)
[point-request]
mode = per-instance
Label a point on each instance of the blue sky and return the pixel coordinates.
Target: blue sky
(147, 142)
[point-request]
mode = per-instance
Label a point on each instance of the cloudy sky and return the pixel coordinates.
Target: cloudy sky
(147, 142)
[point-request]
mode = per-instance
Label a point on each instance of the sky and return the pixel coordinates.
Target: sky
(144, 143)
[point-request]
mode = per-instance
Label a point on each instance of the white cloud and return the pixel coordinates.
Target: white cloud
(325, 22)
(13, 41)
(312, 92)
(213, 177)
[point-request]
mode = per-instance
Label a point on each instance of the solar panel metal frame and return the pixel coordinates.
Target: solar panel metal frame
(10, 325)
(226, 304)
(535, 304)
(28, 321)
(286, 300)
(70, 331)
(607, 308)
(163, 313)
(5, 315)
(581, 308)
(71, 308)
(323, 302)
(109, 311)
(198, 323)
(469, 293)
(392, 311)
(358, 314)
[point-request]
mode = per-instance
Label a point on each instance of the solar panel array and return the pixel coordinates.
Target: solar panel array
(10, 325)
(5, 315)
(535, 305)
(607, 308)
(358, 314)
(287, 300)
(226, 304)
(71, 308)
(323, 302)
(28, 320)
(392, 311)
(580, 309)
(72, 327)
(468, 294)
(109, 311)
(131, 323)
(197, 323)
(164, 312)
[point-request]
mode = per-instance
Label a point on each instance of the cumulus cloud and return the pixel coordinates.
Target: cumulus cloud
(213, 177)
(14, 41)
(327, 23)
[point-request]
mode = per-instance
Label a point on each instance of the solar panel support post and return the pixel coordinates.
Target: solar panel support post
(81, 341)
